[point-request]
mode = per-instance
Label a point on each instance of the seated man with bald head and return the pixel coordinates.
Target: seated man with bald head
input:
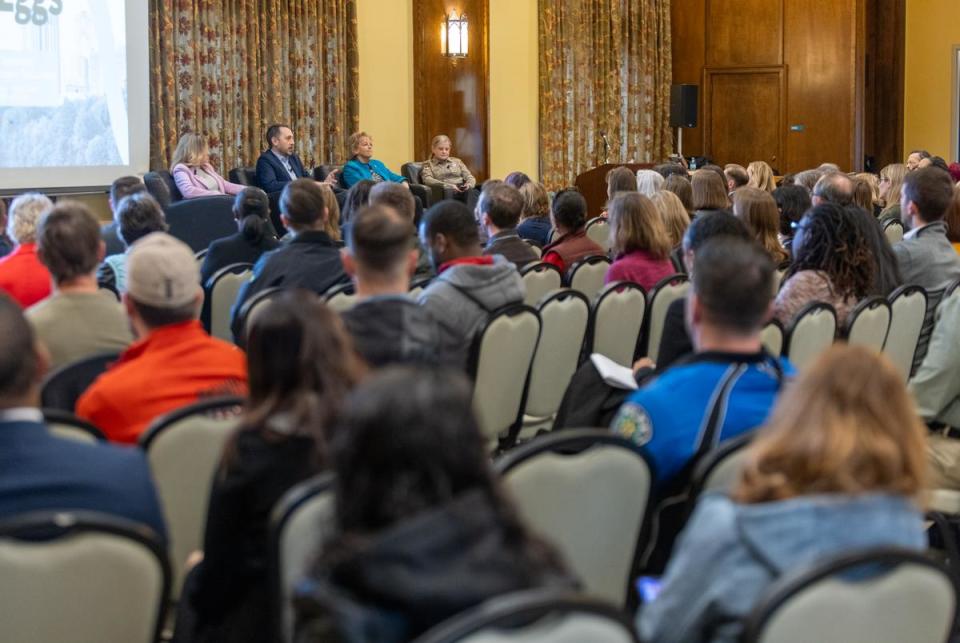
(833, 187)
(41, 472)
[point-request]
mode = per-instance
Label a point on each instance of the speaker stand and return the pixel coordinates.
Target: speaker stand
(680, 142)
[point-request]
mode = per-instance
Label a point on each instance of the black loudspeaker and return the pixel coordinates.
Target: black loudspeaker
(683, 105)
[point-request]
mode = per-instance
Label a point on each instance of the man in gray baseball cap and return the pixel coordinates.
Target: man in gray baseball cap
(174, 361)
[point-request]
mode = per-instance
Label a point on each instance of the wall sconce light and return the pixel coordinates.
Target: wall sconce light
(453, 36)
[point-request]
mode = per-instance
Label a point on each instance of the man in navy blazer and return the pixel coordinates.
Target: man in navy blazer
(278, 165)
(39, 471)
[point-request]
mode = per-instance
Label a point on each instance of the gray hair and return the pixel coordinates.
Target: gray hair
(25, 212)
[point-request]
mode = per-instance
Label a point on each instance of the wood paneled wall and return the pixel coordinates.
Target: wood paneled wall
(793, 82)
(450, 94)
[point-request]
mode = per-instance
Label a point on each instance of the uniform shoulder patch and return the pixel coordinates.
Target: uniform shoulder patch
(634, 423)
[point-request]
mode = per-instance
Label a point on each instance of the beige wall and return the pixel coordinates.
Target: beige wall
(386, 82)
(514, 94)
(385, 34)
(931, 33)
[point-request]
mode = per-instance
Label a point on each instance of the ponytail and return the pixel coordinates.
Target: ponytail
(253, 228)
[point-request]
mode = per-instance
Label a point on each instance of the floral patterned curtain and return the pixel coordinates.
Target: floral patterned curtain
(230, 68)
(605, 65)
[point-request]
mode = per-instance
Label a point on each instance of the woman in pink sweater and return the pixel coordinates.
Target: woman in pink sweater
(639, 241)
(193, 173)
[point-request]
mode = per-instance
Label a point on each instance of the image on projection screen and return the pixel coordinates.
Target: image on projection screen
(63, 84)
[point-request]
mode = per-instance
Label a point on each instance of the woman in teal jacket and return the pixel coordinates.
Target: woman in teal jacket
(362, 166)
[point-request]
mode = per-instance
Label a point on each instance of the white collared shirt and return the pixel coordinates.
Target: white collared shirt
(21, 414)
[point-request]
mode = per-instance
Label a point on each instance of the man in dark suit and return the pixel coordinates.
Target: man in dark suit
(41, 472)
(278, 165)
(500, 207)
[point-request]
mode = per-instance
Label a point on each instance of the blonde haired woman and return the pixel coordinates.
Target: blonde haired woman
(840, 467)
(873, 181)
(761, 176)
(891, 183)
(444, 170)
(362, 165)
(331, 225)
(193, 173)
(673, 214)
(758, 209)
(639, 241)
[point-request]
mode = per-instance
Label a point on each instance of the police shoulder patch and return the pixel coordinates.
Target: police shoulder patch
(633, 422)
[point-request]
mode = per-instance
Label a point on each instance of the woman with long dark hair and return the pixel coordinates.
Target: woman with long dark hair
(832, 263)
(423, 529)
(301, 367)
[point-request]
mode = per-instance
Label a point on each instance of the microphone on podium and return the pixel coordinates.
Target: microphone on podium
(606, 145)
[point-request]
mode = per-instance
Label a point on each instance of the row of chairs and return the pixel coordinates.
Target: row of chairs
(588, 493)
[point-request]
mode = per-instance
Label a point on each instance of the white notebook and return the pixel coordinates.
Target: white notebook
(614, 374)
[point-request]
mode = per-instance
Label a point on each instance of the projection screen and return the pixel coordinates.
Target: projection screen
(74, 101)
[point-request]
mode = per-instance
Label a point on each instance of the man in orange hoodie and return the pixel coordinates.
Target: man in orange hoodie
(174, 362)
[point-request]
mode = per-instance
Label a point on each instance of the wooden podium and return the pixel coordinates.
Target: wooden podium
(593, 184)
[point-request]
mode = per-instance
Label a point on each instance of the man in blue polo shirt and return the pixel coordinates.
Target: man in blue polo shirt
(728, 386)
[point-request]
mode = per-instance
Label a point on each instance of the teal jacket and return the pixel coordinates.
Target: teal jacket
(355, 171)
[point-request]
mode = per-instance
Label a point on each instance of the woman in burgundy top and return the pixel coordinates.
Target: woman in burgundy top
(639, 240)
(569, 216)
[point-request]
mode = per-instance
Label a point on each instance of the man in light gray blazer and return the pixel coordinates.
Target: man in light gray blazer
(925, 255)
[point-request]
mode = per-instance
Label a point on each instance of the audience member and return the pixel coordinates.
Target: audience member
(78, 320)
(443, 170)
(535, 223)
(935, 161)
(571, 243)
(808, 179)
(331, 221)
(831, 263)
(137, 216)
(387, 325)
(760, 176)
(792, 202)
(914, 158)
(840, 468)
(873, 184)
(22, 276)
(954, 170)
(278, 165)
(357, 198)
(6, 243)
(684, 191)
(726, 309)
(887, 276)
(709, 193)
(833, 187)
(716, 169)
(517, 179)
(194, 174)
(828, 168)
(675, 341)
(468, 286)
(936, 389)
(362, 165)
(671, 168)
(891, 185)
(110, 232)
(301, 369)
(620, 179)
(500, 209)
(174, 362)
(758, 209)
(862, 195)
(925, 255)
(952, 219)
(251, 209)
(737, 176)
(423, 530)
(649, 182)
(310, 260)
(639, 241)
(41, 472)
(673, 214)
(402, 201)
